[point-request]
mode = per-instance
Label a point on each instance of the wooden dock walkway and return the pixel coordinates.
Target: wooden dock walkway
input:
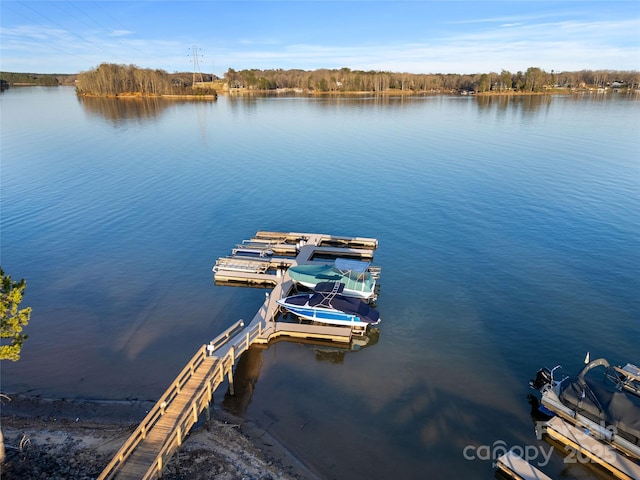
(161, 433)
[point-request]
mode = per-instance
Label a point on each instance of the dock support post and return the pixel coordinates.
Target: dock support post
(177, 454)
(230, 377)
(230, 370)
(208, 406)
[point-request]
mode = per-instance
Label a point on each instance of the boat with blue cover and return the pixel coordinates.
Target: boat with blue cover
(354, 274)
(326, 304)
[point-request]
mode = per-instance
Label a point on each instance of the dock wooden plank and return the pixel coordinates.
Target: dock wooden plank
(239, 276)
(300, 330)
(308, 252)
(289, 237)
(318, 239)
(518, 468)
(140, 461)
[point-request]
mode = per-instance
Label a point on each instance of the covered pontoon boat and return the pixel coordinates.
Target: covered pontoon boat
(603, 400)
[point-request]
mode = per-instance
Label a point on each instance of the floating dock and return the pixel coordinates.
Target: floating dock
(590, 449)
(261, 261)
(264, 259)
(514, 466)
(250, 267)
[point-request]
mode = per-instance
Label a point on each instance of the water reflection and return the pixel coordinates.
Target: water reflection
(245, 379)
(330, 102)
(524, 102)
(118, 110)
(336, 355)
(125, 109)
(247, 372)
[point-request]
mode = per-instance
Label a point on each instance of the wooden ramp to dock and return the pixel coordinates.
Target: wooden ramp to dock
(161, 433)
(590, 448)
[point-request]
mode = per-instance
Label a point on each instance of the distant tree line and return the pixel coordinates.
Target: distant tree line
(347, 80)
(111, 79)
(43, 79)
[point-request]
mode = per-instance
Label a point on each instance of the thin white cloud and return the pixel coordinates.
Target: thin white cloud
(262, 41)
(521, 18)
(120, 33)
(32, 32)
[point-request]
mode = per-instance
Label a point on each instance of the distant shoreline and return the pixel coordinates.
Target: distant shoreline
(387, 93)
(312, 93)
(409, 93)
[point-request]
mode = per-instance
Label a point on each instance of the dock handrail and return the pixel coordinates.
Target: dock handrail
(187, 419)
(189, 415)
(170, 394)
(241, 341)
(225, 336)
(154, 415)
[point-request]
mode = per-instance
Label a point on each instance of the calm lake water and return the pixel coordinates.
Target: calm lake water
(509, 233)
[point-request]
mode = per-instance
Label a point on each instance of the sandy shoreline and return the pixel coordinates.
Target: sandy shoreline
(60, 439)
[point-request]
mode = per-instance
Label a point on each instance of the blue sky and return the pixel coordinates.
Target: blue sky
(417, 36)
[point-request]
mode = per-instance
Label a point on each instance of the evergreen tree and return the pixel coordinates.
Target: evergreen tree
(12, 318)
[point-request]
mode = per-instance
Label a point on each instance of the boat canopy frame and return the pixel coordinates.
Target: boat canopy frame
(346, 265)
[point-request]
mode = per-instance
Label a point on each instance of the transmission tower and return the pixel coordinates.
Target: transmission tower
(196, 64)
